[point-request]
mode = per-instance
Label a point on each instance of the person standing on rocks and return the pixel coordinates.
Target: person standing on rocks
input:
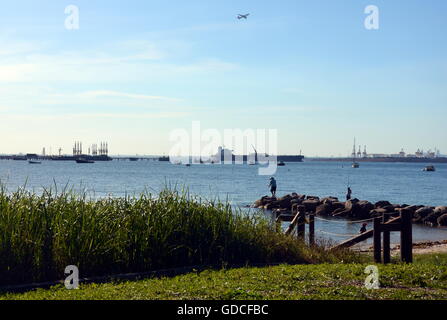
(348, 195)
(272, 186)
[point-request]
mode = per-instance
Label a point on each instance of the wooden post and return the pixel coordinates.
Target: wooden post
(377, 241)
(292, 224)
(312, 229)
(301, 225)
(406, 237)
(278, 225)
(386, 241)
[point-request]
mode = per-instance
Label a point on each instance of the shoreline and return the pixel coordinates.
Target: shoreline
(424, 247)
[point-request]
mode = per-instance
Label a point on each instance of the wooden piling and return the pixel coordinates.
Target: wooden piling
(386, 242)
(292, 225)
(301, 227)
(312, 229)
(406, 237)
(377, 241)
(278, 225)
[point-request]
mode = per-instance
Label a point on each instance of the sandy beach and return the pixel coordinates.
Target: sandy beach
(425, 247)
(418, 248)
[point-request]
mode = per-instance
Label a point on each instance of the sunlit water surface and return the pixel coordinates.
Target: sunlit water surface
(242, 185)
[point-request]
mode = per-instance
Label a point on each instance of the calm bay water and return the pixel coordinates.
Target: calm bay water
(241, 184)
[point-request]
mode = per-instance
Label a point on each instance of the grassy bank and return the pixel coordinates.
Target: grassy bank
(42, 234)
(425, 279)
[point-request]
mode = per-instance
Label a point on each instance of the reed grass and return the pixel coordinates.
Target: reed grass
(41, 234)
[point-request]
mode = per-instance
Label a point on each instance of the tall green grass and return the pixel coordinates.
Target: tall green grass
(41, 234)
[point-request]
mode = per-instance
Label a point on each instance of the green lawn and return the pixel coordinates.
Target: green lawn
(425, 279)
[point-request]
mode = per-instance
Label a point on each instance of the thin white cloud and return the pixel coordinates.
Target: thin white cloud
(80, 69)
(153, 115)
(108, 93)
(106, 99)
(278, 108)
(31, 96)
(19, 72)
(68, 116)
(9, 49)
(135, 60)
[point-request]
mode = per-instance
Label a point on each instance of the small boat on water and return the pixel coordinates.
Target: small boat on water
(281, 164)
(355, 165)
(429, 169)
(34, 162)
(84, 161)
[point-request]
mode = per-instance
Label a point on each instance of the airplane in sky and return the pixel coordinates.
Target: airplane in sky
(243, 16)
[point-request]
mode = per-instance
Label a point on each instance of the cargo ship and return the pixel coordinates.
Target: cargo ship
(255, 157)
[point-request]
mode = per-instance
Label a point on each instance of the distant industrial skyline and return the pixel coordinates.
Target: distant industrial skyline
(132, 73)
(92, 149)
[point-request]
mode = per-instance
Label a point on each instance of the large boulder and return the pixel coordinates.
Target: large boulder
(324, 209)
(329, 200)
(351, 204)
(296, 201)
(442, 220)
(298, 196)
(362, 210)
(258, 203)
(431, 219)
(422, 213)
(283, 202)
(263, 201)
(412, 208)
(311, 205)
(440, 210)
(358, 209)
(381, 204)
(378, 212)
(389, 208)
(338, 205)
(313, 198)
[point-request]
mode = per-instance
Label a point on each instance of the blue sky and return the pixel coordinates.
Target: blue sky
(137, 70)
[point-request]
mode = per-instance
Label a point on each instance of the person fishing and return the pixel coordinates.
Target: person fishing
(272, 186)
(349, 194)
